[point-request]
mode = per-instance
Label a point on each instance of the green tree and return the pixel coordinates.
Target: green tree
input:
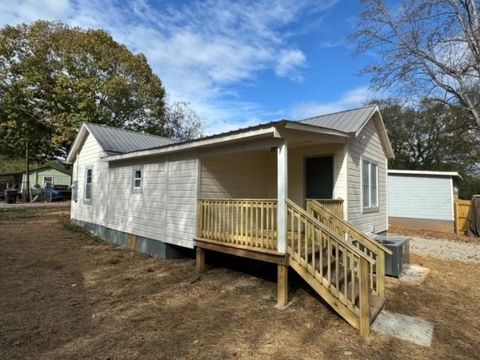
(54, 77)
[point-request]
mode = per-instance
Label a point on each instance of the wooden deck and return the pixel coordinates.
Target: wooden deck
(344, 266)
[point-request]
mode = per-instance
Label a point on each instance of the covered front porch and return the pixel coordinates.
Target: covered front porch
(281, 201)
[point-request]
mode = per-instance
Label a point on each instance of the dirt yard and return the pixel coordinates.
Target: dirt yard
(434, 235)
(65, 295)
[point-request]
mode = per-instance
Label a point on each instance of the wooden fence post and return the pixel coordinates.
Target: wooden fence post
(455, 221)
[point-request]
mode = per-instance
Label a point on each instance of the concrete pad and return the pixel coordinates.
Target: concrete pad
(404, 327)
(414, 274)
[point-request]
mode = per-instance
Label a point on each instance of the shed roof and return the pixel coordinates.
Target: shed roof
(425, 173)
(120, 141)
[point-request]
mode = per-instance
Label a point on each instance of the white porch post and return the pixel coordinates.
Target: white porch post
(282, 196)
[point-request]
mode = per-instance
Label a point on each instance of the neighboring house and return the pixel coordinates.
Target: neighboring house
(39, 179)
(45, 176)
(245, 192)
(422, 199)
(10, 180)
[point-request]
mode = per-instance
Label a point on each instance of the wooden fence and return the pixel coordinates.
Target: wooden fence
(462, 215)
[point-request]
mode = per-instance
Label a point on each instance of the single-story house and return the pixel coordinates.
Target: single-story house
(422, 199)
(303, 194)
(39, 179)
(45, 176)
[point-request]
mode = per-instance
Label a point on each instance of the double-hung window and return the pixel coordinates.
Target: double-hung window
(137, 179)
(369, 186)
(88, 184)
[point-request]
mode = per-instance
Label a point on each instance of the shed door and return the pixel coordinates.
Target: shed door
(319, 175)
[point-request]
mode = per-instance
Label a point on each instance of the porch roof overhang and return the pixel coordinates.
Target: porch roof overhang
(269, 130)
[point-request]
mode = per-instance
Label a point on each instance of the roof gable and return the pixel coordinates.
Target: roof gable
(115, 141)
(350, 121)
(120, 141)
(353, 121)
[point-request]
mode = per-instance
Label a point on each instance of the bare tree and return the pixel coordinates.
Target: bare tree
(182, 121)
(425, 48)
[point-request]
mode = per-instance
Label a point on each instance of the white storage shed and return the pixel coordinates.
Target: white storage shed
(422, 199)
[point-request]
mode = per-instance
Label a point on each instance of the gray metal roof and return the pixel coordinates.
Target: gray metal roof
(120, 141)
(349, 121)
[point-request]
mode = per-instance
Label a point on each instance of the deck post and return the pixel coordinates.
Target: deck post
(282, 286)
(282, 196)
(364, 277)
(200, 260)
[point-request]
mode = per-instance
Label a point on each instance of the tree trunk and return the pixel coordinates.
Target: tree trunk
(27, 172)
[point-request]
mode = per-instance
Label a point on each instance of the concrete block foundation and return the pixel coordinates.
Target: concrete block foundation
(152, 247)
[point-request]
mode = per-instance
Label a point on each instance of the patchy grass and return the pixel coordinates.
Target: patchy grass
(85, 234)
(64, 297)
(16, 214)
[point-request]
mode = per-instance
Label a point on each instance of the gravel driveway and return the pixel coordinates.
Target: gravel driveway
(446, 250)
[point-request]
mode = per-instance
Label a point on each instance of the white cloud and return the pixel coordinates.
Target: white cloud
(351, 99)
(288, 61)
(15, 12)
(200, 50)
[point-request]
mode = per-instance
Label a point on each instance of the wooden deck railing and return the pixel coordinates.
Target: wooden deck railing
(358, 239)
(334, 205)
(244, 222)
(338, 265)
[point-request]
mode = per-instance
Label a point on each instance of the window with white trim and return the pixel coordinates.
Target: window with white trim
(48, 181)
(88, 184)
(369, 185)
(137, 181)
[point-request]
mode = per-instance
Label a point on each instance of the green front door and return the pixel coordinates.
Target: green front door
(319, 174)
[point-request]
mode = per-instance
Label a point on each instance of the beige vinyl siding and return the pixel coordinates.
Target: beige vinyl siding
(140, 213)
(164, 209)
(366, 146)
(254, 174)
(96, 210)
(182, 191)
(246, 175)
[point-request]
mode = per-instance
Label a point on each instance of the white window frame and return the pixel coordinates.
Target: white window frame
(137, 189)
(45, 181)
(85, 199)
(370, 207)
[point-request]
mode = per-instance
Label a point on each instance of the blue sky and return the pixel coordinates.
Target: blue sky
(237, 62)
